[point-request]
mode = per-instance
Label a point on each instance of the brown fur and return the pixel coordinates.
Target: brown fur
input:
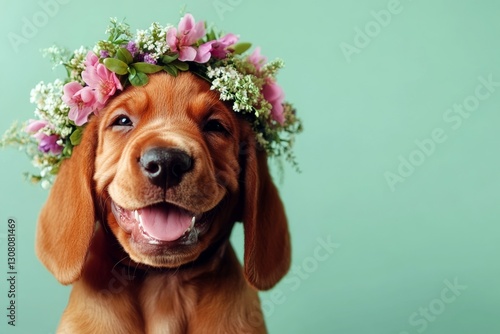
(124, 287)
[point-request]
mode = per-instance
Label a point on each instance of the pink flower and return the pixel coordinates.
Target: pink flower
(183, 38)
(204, 53)
(46, 143)
(35, 125)
(219, 47)
(256, 59)
(216, 48)
(102, 81)
(274, 95)
(81, 101)
(101, 84)
(91, 59)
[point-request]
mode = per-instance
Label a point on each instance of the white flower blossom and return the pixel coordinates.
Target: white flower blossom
(153, 40)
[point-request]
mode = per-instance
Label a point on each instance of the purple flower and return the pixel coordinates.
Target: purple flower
(49, 144)
(46, 143)
(132, 48)
(139, 57)
(104, 54)
(149, 59)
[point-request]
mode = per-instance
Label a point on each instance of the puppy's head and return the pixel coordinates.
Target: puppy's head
(168, 168)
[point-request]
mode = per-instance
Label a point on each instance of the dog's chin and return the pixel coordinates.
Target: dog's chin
(162, 234)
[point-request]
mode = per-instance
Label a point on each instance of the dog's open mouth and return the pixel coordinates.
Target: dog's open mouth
(158, 223)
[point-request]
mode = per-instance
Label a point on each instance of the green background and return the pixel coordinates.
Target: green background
(398, 247)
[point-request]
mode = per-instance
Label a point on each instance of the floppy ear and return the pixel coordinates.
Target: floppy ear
(267, 241)
(66, 222)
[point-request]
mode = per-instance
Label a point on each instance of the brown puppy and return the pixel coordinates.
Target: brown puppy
(139, 217)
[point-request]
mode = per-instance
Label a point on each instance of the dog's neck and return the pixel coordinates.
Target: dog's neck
(144, 294)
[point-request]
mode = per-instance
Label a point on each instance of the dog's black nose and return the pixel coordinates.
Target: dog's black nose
(165, 167)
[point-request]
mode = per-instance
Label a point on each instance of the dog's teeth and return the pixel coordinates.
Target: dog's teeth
(191, 226)
(152, 241)
(136, 215)
(139, 218)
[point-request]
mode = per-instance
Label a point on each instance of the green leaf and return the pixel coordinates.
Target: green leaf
(132, 70)
(116, 65)
(240, 47)
(169, 58)
(146, 67)
(124, 55)
(181, 66)
(172, 70)
(76, 137)
(123, 80)
(67, 150)
(120, 41)
(54, 170)
(139, 79)
(211, 35)
(32, 178)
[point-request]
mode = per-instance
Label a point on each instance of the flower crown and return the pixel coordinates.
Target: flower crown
(93, 76)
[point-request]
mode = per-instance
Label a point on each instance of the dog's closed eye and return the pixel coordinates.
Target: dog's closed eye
(214, 125)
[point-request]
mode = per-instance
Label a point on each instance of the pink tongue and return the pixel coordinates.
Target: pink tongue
(164, 222)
